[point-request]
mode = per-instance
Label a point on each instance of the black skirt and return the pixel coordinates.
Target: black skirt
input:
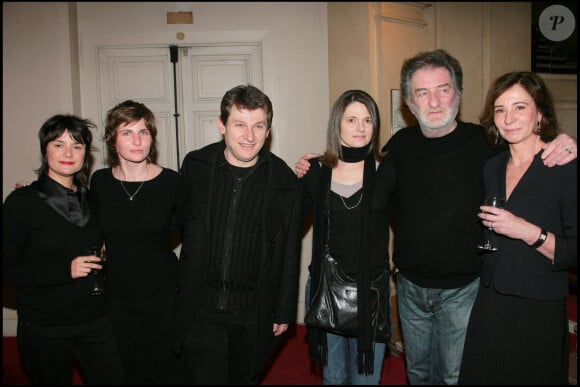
(515, 340)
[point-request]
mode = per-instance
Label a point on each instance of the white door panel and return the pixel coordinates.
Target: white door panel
(208, 72)
(144, 75)
(203, 73)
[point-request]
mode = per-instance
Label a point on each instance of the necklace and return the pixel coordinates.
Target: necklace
(355, 206)
(138, 188)
(134, 193)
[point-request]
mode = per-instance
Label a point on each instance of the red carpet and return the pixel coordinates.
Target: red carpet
(291, 366)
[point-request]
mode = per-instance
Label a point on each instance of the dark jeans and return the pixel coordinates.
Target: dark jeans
(434, 323)
(220, 348)
(48, 352)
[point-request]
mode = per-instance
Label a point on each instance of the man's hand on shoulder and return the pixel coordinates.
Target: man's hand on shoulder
(560, 151)
(302, 166)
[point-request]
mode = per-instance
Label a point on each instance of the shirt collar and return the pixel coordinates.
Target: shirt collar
(73, 206)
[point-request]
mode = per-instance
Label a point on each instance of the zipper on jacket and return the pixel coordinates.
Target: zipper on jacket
(229, 237)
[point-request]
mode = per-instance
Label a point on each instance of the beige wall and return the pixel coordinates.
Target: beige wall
(488, 38)
(37, 81)
(348, 48)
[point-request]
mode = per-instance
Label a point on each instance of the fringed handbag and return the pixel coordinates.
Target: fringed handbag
(333, 307)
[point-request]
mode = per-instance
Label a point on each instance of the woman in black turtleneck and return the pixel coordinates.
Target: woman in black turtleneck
(48, 231)
(353, 182)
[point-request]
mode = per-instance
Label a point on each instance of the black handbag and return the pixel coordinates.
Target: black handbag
(333, 307)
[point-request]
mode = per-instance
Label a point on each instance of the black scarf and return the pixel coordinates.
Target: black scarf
(354, 155)
(365, 356)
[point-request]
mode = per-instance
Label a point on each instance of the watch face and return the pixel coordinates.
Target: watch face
(554, 37)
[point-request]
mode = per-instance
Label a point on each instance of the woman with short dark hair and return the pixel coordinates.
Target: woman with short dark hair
(49, 229)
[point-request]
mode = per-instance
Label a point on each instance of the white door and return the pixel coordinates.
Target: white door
(208, 72)
(202, 75)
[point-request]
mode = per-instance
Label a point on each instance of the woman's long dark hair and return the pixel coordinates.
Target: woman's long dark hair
(333, 146)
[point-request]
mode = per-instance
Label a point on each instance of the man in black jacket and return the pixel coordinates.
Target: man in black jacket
(240, 259)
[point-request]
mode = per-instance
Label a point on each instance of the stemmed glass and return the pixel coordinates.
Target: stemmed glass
(97, 276)
(489, 243)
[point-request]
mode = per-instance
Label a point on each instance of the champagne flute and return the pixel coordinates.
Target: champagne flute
(489, 243)
(97, 276)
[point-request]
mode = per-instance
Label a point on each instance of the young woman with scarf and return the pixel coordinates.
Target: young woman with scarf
(347, 189)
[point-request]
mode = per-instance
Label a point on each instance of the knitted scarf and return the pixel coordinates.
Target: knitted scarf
(365, 356)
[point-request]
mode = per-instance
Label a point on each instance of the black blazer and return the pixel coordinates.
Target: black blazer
(548, 198)
(280, 259)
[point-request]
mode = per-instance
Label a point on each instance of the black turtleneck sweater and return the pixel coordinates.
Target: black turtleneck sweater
(438, 192)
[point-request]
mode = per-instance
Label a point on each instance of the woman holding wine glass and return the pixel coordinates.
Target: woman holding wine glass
(498, 201)
(517, 332)
(139, 208)
(49, 227)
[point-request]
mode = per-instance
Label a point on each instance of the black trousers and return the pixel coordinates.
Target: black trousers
(220, 349)
(48, 352)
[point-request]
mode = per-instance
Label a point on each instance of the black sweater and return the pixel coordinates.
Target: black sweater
(138, 233)
(38, 247)
(438, 192)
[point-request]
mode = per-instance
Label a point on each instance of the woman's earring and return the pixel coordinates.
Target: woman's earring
(538, 127)
(496, 136)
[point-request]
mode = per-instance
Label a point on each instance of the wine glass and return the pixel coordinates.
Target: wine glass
(97, 276)
(489, 242)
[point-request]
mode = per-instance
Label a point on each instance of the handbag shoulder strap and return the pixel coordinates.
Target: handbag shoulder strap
(327, 213)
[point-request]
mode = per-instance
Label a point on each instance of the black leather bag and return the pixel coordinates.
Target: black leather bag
(333, 307)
